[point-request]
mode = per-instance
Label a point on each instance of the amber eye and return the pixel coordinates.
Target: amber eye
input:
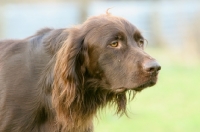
(141, 42)
(114, 44)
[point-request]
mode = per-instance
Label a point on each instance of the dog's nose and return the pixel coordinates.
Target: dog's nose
(151, 66)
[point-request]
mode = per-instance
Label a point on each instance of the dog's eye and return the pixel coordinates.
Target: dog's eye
(114, 44)
(141, 43)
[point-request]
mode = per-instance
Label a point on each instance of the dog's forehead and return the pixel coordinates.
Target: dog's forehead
(106, 27)
(122, 24)
(108, 19)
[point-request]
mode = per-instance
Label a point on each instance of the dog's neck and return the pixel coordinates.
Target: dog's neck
(94, 97)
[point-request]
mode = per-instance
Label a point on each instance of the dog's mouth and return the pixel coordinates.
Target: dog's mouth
(137, 89)
(150, 82)
(143, 86)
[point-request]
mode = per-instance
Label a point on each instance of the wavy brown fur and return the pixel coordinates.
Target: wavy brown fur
(57, 79)
(75, 98)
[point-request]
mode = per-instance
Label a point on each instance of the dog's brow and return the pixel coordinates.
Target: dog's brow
(137, 34)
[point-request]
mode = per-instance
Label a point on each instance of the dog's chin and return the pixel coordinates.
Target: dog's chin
(146, 84)
(143, 86)
(138, 88)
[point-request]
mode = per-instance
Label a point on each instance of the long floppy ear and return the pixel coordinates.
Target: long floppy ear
(69, 74)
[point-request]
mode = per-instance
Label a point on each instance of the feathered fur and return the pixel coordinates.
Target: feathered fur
(57, 79)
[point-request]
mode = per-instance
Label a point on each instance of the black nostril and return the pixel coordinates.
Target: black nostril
(151, 66)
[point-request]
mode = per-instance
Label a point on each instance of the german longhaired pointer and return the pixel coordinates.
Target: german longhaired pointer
(57, 79)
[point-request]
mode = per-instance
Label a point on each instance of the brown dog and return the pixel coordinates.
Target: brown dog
(57, 79)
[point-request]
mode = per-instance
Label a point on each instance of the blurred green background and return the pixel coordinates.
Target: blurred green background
(172, 29)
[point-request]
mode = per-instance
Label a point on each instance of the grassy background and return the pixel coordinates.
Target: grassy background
(173, 105)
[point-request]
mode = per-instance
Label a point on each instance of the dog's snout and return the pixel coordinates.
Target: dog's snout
(151, 66)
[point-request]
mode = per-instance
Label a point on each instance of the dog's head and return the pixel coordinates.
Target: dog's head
(104, 52)
(116, 55)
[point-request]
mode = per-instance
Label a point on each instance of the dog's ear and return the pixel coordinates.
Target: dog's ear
(69, 72)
